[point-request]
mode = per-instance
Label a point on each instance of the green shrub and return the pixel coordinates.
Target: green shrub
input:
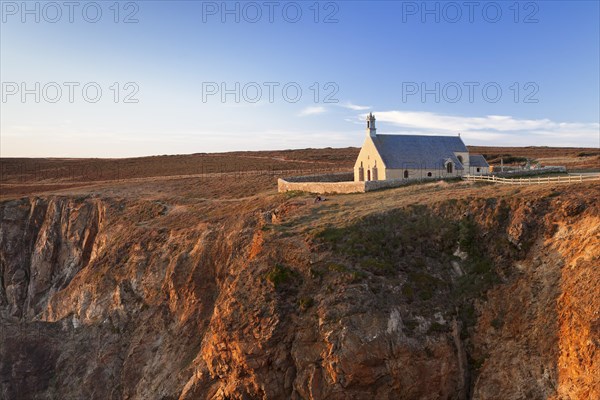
(420, 263)
(357, 276)
(279, 275)
(554, 194)
(408, 292)
(497, 323)
(467, 235)
(503, 212)
(467, 315)
(337, 267)
(331, 235)
(305, 303)
(480, 266)
(293, 193)
(424, 284)
(411, 325)
(377, 242)
(377, 267)
(476, 363)
(437, 327)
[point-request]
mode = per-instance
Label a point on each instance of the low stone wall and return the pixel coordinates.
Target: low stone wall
(321, 187)
(335, 177)
(341, 183)
(530, 172)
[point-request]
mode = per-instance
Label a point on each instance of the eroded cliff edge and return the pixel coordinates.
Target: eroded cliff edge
(114, 298)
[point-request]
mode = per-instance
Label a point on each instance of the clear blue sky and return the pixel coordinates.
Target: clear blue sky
(368, 55)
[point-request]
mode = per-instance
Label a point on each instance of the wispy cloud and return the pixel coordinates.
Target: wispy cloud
(355, 121)
(499, 129)
(312, 111)
(352, 106)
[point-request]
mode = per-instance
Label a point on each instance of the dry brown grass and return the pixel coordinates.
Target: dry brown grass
(55, 170)
(226, 176)
(578, 158)
(340, 210)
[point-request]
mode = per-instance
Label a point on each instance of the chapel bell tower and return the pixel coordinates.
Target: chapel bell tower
(371, 130)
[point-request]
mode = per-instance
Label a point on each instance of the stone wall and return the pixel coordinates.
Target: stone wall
(330, 183)
(321, 187)
(334, 177)
(529, 172)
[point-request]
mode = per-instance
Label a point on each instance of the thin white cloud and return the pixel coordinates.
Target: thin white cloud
(354, 107)
(312, 111)
(495, 129)
(355, 121)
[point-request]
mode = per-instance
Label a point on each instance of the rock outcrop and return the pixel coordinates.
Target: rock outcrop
(107, 298)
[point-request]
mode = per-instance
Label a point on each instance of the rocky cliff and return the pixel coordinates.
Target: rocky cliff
(277, 298)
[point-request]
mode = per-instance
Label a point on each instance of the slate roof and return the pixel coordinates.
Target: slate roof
(477, 160)
(416, 151)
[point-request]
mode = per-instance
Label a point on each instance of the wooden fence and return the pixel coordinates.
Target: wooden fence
(532, 180)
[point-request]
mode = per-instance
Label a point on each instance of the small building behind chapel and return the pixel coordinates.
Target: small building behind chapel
(384, 157)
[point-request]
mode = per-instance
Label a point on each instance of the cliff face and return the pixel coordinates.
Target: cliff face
(539, 334)
(109, 298)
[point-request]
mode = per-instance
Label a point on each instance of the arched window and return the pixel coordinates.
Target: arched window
(449, 167)
(478, 169)
(429, 174)
(369, 175)
(405, 174)
(460, 159)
